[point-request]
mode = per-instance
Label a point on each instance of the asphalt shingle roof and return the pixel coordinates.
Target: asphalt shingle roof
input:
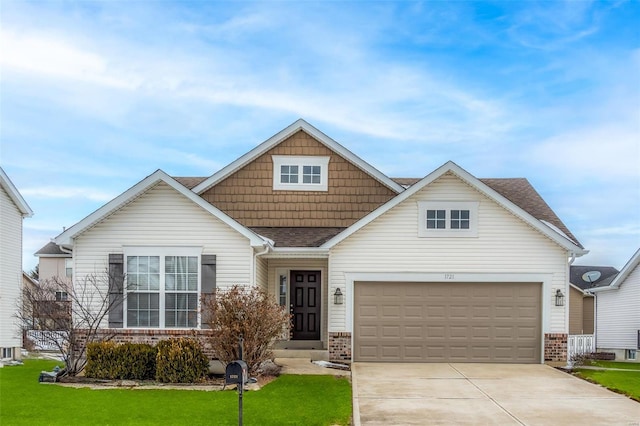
(517, 190)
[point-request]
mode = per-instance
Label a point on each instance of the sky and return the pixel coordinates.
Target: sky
(95, 96)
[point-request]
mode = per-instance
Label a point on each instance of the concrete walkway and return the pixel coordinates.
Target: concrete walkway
(482, 394)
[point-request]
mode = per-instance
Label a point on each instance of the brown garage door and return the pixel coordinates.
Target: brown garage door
(447, 322)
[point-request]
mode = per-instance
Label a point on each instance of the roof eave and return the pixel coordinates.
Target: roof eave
(624, 273)
(15, 195)
(265, 146)
(65, 239)
(467, 177)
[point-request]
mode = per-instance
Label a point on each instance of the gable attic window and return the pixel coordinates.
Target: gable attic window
(447, 219)
(300, 173)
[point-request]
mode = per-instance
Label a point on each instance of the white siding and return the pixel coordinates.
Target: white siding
(10, 270)
(163, 217)
(504, 245)
(618, 314)
(261, 273)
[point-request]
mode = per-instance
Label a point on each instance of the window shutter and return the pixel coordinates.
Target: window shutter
(116, 286)
(208, 281)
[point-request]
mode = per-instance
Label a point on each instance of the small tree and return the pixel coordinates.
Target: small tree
(248, 312)
(71, 322)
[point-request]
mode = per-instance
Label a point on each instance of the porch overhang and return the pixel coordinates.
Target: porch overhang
(296, 252)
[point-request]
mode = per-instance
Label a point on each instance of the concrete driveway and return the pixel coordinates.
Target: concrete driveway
(484, 394)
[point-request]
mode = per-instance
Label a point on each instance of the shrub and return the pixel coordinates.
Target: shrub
(138, 360)
(249, 312)
(181, 361)
(128, 361)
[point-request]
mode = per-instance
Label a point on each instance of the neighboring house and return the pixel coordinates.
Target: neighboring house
(55, 264)
(618, 313)
(13, 209)
(445, 268)
(582, 305)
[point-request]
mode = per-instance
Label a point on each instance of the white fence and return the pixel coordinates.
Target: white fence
(579, 344)
(47, 340)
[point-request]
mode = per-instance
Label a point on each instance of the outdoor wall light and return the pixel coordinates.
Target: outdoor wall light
(338, 297)
(559, 298)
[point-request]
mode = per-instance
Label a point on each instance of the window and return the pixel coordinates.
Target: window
(288, 174)
(283, 290)
(459, 219)
(631, 354)
(162, 291)
(68, 267)
(300, 173)
(7, 353)
(62, 296)
(436, 219)
(447, 219)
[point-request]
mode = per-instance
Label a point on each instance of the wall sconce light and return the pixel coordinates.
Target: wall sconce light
(338, 297)
(559, 298)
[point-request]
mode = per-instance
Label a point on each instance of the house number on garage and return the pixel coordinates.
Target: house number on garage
(449, 276)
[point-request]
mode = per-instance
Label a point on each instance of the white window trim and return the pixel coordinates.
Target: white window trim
(162, 252)
(447, 206)
(300, 161)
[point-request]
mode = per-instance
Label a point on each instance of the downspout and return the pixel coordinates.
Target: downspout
(267, 248)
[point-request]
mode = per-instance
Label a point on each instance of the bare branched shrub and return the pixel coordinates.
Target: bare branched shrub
(69, 315)
(246, 312)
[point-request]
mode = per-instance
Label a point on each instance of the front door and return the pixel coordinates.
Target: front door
(305, 305)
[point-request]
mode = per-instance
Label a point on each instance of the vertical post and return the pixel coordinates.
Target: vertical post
(241, 384)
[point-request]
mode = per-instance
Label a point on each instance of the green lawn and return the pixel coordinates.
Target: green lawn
(625, 382)
(290, 399)
(614, 364)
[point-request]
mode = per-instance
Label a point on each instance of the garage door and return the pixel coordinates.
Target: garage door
(447, 322)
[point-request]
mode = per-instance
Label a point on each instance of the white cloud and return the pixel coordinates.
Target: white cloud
(46, 55)
(58, 192)
(607, 152)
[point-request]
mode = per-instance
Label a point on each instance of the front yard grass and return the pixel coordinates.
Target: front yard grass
(288, 400)
(625, 382)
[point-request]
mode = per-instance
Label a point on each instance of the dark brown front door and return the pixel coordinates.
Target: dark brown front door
(305, 304)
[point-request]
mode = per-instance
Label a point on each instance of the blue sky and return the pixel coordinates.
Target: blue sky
(94, 96)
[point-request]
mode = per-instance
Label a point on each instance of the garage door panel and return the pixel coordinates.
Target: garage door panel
(455, 322)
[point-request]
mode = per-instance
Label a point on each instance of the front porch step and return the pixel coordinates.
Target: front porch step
(299, 344)
(312, 354)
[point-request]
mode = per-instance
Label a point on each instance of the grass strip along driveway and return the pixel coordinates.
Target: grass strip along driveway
(623, 378)
(288, 400)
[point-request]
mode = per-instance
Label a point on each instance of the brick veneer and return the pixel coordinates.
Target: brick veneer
(555, 347)
(151, 337)
(339, 346)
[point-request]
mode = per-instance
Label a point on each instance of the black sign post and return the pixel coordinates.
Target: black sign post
(241, 384)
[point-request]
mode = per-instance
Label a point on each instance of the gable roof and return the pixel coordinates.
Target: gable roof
(15, 196)
(51, 249)
(298, 236)
(576, 273)
(538, 224)
(281, 136)
(622, 276)
(66, 238)
(520, 192)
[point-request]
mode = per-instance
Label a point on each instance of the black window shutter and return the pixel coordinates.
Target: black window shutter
(208, 281)
(116, 286)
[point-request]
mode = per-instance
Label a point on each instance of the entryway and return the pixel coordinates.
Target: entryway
(305, 305)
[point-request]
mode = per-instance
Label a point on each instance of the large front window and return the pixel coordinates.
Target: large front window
(162, 291)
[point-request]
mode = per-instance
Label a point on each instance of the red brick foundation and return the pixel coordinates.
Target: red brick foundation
(339, 346)
(151, 337)
(555, 347)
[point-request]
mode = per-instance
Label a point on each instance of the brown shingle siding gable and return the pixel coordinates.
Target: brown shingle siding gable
(248, 196)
